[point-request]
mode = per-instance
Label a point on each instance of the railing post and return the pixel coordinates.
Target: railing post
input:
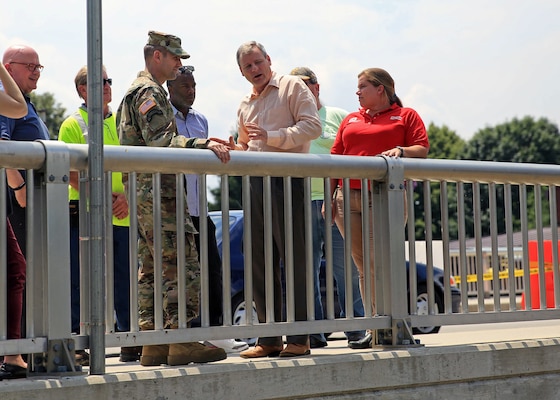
(389, 255)
(96, 195)
(51, 253)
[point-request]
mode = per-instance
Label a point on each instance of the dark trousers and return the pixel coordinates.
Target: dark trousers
(15, 284)
(278, 247)
(214, 271)
(17, 219)
(121, 288)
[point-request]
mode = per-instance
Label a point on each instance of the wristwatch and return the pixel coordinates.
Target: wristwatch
(402, 151)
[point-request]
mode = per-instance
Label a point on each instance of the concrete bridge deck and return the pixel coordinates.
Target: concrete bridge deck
(496, 364)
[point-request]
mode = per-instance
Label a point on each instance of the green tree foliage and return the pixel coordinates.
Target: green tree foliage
(523, 140)
(235, 195)
(444, 144)
(49, 111)
(519, 140)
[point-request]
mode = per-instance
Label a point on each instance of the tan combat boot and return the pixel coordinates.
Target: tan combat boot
(185, 353)
(154, 355)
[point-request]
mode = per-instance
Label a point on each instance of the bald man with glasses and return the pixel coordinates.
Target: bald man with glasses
(22, 63)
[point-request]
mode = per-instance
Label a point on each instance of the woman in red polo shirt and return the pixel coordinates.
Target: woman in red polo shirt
(382, 126)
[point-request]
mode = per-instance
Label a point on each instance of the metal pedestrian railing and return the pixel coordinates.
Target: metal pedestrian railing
(472, 196)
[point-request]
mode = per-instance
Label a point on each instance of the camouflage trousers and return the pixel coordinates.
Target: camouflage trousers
(147, 254)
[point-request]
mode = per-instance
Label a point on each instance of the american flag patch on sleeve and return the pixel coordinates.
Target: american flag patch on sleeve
(146, 106)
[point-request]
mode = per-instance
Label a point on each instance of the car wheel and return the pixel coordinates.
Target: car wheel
(238, 315)
(422, 309)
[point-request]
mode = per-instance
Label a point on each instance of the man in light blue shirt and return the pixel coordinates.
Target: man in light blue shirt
(192, 124)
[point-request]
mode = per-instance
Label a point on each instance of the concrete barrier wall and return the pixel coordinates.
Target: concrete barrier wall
(509, 370)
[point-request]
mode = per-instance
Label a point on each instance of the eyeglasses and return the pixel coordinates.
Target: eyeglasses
(108, 81)
(186, 69)
(29, 66)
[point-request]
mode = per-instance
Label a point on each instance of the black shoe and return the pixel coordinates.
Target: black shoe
(315, 343)
(129, 354)
(355, 337)
(11, 371)
(363, 343)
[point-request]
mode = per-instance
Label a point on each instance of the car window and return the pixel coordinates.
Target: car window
(217, 219)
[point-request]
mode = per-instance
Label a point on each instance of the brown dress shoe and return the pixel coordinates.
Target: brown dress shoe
(261, 350)
(295, 350)
(153, 355)
(193, 352)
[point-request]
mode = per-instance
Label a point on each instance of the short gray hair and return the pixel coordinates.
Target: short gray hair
(247, 47)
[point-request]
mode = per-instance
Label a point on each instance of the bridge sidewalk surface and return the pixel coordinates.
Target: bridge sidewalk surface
(447, 361)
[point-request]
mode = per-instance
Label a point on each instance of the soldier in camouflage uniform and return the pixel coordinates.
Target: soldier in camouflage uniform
(145, 118)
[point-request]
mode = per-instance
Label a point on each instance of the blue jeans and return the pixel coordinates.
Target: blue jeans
(318, 227)
(121, 261)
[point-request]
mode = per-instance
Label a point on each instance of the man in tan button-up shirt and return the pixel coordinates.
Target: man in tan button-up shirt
(280, 115)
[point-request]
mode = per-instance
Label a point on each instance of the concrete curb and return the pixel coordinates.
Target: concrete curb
(364, 373)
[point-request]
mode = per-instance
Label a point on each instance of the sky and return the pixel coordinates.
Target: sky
(464, 64)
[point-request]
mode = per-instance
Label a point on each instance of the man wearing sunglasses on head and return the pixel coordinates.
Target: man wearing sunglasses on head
(192, 124)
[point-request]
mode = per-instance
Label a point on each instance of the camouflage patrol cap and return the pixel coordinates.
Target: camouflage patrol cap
(305, 73)
(170, 42)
